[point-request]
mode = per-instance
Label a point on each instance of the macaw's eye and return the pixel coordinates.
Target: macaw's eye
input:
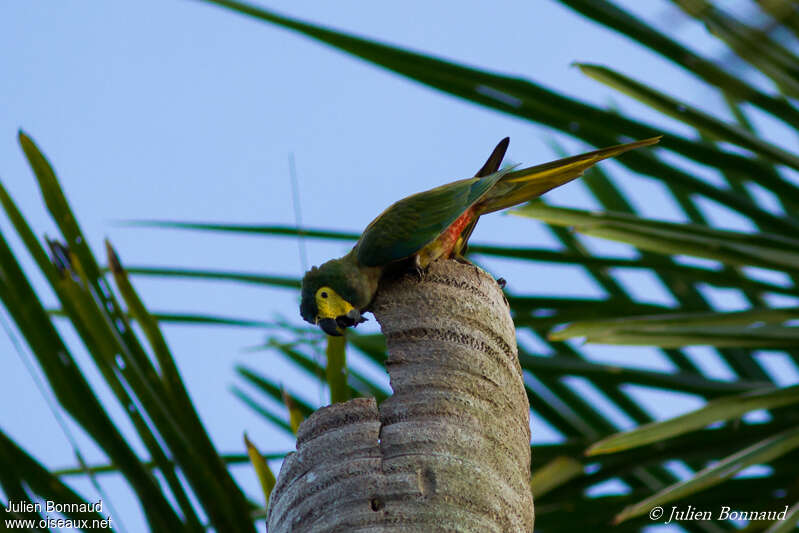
(323, 294)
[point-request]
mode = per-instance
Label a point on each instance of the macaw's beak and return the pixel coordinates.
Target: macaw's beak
(335, 327)
(330, 327)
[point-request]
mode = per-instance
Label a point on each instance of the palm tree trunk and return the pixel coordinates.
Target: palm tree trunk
(450, 450)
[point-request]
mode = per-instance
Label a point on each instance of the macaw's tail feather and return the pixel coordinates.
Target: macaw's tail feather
(523, 185)
(495, 159)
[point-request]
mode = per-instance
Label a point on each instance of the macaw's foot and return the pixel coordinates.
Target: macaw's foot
(501, 282)
(415, 269)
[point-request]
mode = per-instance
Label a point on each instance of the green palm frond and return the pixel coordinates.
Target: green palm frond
(153, 398)
(711, 444)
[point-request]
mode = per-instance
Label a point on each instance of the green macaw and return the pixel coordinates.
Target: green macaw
(426, 226)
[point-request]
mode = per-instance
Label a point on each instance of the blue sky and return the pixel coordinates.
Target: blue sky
(173, 109)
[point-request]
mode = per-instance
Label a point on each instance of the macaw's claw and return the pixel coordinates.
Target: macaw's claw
(501, 282)
(416, 270)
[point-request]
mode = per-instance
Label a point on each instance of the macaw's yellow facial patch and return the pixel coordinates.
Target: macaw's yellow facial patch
(330, 305)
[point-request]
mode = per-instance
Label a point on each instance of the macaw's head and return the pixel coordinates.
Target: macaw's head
(332, 296)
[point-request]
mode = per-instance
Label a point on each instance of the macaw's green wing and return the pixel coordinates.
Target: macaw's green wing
(408, 225)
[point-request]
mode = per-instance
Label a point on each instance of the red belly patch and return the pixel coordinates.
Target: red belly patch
(449, 237)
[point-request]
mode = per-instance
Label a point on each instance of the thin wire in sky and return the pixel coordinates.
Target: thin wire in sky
(295, 191)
